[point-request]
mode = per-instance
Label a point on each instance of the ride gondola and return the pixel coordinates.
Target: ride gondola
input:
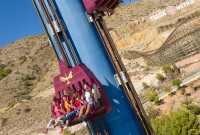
(74, 79)
(100, 5)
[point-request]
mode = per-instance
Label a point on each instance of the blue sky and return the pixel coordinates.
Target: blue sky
(19, 19)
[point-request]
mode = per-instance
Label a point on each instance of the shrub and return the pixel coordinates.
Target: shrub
(27, 97)
(187, 102)
(4, 73)
(37, 69)
(3, 121)
(27, 109)
(47, 70)
(176, 70)
(24, 92)
(145, 85)
(182, 91)
(17, 113)
(167, 68)
(22, 59)
(167, 89)
(26, 77)
(26, 84)
(153, 97)
(194, 109)
(8, 71)
(2, 66)
(147, 69)
(160, 77)
(176, 82)
(11, 105)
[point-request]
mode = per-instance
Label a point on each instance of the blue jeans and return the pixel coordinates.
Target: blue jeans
(83, 119)
(71, 114)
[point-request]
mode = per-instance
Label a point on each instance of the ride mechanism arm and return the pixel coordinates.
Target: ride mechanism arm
(78, 34)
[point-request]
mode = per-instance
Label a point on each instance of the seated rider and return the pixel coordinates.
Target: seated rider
(91, 97)
(55, 115)
(65, 105)
(58, 115)
(76, 105)
(68, 107)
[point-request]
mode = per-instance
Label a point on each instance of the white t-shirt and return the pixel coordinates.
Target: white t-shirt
(87, 96)
(96, 93)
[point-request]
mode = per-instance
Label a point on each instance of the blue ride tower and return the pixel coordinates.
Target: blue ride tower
(86, 45)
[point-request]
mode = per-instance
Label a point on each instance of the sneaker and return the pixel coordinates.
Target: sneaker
(61, 122)
(44, 131)
(52, 128)
(84, 123)
(65, 127)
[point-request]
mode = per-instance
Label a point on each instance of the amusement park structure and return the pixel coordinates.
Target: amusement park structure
(86, 54)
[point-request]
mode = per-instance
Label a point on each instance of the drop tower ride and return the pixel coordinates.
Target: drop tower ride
(78, 35)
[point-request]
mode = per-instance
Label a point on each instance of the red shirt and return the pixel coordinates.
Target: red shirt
(77, 104)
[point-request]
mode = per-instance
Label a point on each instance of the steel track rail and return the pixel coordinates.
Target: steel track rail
(119, 67)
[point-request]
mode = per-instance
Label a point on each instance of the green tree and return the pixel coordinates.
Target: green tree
(180, 122)
(176, 82)
(160, 77)
(152, 96)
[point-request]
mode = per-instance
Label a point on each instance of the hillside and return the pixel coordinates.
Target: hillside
(32, 64)
(30, 60)
(137, 11)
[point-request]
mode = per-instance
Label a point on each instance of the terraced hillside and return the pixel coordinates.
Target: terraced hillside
(183, 42)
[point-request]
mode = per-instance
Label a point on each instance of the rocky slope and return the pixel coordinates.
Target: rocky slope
(23, 102)
(30, 60)
(131, 24)
(136, 11)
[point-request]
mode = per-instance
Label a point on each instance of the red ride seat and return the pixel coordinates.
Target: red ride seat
(74, 78)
